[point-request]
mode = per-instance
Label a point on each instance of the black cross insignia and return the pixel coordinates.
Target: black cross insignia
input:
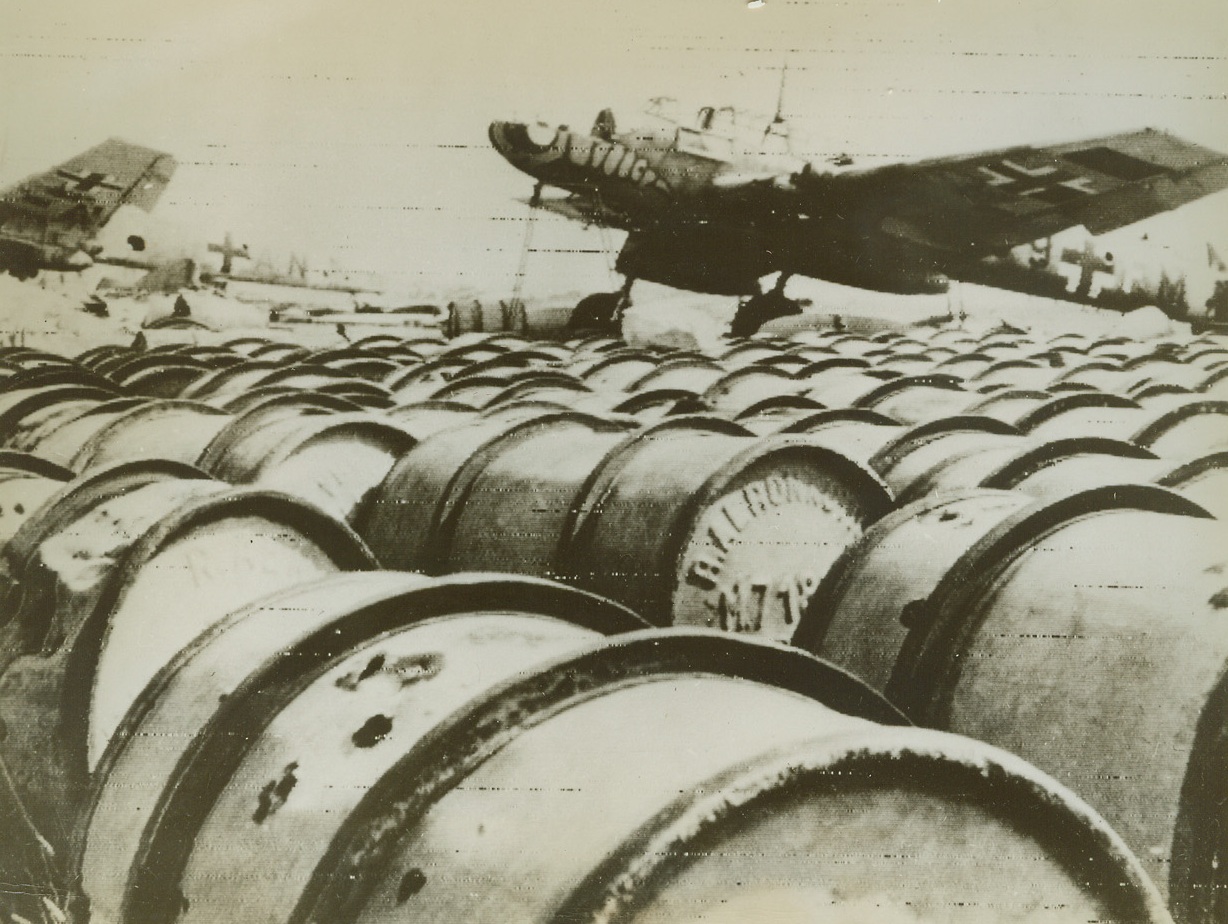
(1047, 182)
(85, 182)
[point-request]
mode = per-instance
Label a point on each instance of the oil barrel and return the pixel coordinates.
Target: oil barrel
(510, 502)
(123, 587)
(327, 685)
(859, 616)
(1192, 428)
(910, 454)
(159, 429)
(62, 438)
(1087, 636)
(638, 780)
(913, 399)
(692, 523)
(412, 512)
(24, 409)
(330, 460)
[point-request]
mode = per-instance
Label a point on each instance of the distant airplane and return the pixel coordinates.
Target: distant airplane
(297, 275)
(716, 204)
(51, 220)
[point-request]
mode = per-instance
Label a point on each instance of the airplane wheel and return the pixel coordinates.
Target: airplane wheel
(596, 312)
(758, 310)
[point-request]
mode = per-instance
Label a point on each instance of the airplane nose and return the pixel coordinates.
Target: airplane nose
(510, 138)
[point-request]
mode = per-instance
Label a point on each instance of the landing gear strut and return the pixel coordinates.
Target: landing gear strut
(759, 309)
(602, 311)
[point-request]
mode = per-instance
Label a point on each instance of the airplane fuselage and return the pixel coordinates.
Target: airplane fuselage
(707, 211)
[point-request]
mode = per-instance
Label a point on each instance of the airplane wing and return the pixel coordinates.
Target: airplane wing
(987, 203)
(67, 205)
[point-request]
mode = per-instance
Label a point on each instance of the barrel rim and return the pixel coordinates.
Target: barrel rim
(1153, 431)
(939, 380)
(33, 464)
(862, 483)
(1055, 407)
(1023, 465)
(16, 412)
(899, 447)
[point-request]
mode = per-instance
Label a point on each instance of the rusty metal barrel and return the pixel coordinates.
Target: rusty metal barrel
(860, 614)
(159, 429)
(406, 511)
(318, 690)
(332, 460)
(1088, 636)
(663, 776)
(508, 505)
(696, 523)
(113, 589)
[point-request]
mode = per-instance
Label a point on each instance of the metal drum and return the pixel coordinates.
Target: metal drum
(691, 523)
(406, 510)
(330, 460)
(509, 504)
(912, 399)
(331, 682)
(860, 614)
(1087, 636)
(120, 589)
(22, 493)
(160, 429)
(685, 776)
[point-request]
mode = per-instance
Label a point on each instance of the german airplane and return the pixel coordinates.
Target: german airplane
(51, 220)
(718, 203)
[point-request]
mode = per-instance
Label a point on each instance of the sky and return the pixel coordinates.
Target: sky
(356, 134)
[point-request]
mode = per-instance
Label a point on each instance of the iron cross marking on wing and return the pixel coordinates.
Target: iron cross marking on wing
(1041, 181)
